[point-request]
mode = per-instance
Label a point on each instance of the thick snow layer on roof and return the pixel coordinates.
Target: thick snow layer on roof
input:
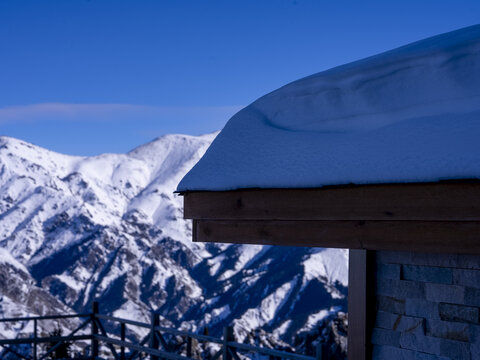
(408, 115)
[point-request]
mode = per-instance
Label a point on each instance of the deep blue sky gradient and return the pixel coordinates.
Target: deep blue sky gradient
(184, 66)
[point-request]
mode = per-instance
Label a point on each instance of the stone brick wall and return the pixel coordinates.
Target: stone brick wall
(427, 306)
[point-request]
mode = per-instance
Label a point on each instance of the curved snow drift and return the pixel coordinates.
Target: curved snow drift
(408, 115)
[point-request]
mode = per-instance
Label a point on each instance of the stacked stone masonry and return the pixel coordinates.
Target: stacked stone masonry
(427, 306)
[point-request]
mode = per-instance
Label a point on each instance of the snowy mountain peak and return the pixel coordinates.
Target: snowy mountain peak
(37, 184)
(109, 227)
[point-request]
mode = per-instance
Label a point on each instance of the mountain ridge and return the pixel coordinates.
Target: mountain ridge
(110, 228)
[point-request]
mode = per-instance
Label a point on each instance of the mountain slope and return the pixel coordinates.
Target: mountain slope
(110, 228)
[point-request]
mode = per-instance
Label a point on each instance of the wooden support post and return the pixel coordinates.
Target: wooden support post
(360, 301)
(122, 337)
(95, 346)
(35, 334)
(154, 343)
(227, 336)
(189, 346)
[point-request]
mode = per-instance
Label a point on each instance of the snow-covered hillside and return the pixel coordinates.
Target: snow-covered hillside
(109, 227)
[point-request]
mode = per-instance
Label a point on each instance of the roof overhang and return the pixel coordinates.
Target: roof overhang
(424, 217)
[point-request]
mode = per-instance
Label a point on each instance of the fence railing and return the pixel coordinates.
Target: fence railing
(154, 344)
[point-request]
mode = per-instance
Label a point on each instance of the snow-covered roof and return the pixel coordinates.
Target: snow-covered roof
(407, 115)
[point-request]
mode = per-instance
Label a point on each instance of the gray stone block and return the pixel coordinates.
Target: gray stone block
(393, 257)
(382, 352)
(448, 330)
(388, 271)
(466, 277)
(401, 289)
(455, 349)
(461, 313)
(418, 342)
(475, 351)
(472, 296)
(411, 325)
(454, 294)
(431, 259)
(390, 304)
(421, 308)
(427, 273)
(385, 320)
(474, 334)
(399, 323)
(428, 259)
(385, 337)
(424, 356)
(414, 258)
(468, 261)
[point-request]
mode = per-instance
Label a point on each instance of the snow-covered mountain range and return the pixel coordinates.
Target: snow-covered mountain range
(110, 228)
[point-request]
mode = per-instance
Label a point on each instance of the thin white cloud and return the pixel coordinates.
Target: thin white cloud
(106, 112)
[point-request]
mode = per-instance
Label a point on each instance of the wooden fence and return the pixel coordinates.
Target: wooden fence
(154, 344)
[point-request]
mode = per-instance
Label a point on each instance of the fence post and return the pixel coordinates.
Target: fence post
(318, 351)
(122, 337)
(154, 344)
(94, 330)
(227, 336)
(204, 344)
(189, 346)
(35, 333)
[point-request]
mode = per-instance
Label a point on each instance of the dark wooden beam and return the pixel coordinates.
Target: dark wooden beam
(420, 236)
(417, 201)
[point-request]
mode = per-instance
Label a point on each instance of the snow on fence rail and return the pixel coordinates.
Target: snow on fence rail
(153, 344)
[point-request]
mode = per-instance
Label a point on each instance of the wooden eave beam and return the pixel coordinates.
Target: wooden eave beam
(434, 217)
(417, 201)
(421, 236)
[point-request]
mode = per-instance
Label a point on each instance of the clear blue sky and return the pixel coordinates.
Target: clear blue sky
(86, 77)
